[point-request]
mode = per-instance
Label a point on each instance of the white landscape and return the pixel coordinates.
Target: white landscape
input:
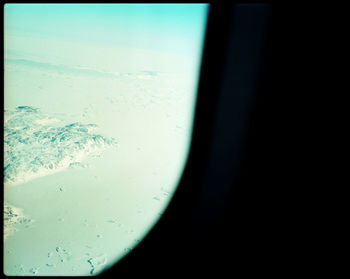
(96, 136)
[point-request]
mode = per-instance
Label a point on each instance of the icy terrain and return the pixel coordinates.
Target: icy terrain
(37, 144)
(99, 104)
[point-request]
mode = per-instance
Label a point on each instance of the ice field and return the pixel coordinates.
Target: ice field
(96, 132)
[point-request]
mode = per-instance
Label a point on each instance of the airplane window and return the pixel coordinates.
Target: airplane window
(98, 110)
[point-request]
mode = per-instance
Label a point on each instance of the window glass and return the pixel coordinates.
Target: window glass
(98, 110)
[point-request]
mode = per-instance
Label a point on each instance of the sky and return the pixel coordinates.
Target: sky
(163, 27)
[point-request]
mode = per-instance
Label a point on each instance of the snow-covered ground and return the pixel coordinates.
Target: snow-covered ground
(95, 140)
(91, 161)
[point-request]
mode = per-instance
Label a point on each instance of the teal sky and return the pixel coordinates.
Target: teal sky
(164, 27)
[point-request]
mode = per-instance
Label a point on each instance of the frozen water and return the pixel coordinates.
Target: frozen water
(97, 263)
(63, 254)
(65, 100)
(12, 217)
(50, 265)
(34, 270)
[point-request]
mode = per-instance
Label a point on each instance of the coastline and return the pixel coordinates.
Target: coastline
(87, 218)
(87, 214)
